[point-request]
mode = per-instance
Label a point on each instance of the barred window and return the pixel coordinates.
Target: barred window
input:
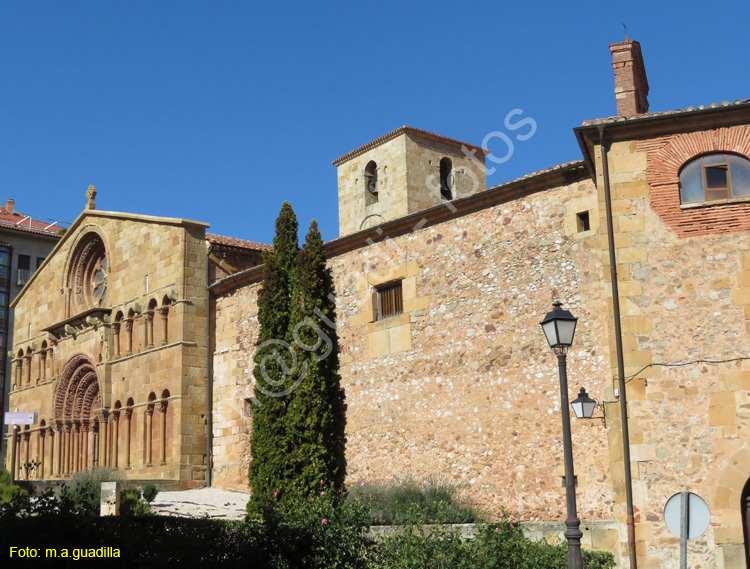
(390, 300)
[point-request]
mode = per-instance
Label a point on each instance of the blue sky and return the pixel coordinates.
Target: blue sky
(219, 111)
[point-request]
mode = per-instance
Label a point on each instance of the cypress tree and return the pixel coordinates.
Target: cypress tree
(315, 417)
(270, 471)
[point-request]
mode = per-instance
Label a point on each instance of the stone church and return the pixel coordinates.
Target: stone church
(441, 285)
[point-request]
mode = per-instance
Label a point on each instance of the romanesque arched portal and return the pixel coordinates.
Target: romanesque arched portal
(79, 418)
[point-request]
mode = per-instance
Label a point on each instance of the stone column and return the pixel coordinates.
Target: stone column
(76, 447)
(66, 451)
(27, 448)
(129, 336)
(48, 364)
(115, 428)
(103, 437)
(162, 406)
(81, 447)
(19, 455)
(85, 444)
(27, 364)
(164, 312)
(95, 445)
(42, 364)
(150, 329)
(51, 361)
(116, 338)
(40, 451)
(57, 434)
(128, 419)
(149, 433)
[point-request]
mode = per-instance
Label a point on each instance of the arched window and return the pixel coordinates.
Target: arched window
(150, 323)
(27, 363)
(149, 431)
(371, 182)
(19, 369)
(163, 408)
(713, 177)
(116, 331)
(88, 273)
(446, 179)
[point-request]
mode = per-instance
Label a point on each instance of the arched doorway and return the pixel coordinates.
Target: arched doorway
(745, 505)
(78, 416)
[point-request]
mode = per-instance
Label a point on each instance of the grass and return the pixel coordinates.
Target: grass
(431, 501)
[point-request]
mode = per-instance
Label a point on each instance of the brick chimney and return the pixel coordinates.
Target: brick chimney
(9, 207)
(631, 85)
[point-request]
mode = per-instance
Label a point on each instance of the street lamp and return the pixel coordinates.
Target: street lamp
(559, 327)
(584, 406)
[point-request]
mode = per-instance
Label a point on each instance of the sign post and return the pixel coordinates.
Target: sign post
(16, 419)
(687, 516)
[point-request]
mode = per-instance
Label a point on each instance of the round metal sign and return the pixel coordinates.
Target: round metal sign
(698, 515)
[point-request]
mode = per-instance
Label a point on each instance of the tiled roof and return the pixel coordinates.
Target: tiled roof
(688, 110)
(234, 242)
(393, 134)
(572, 165)
(21, 222)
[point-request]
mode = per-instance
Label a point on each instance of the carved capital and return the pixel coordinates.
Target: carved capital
(161, 405)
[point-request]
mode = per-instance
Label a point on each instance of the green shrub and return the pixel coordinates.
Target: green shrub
(13, 499)
(322, 531)
(409, 500)
(132, 503)
(81, 495)
(149, 492)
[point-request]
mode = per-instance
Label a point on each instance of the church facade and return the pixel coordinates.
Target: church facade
(441, 285)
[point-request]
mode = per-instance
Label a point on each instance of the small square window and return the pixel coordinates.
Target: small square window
(582, 221)
(390, 300)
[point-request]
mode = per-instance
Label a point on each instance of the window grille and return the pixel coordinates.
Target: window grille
(390, 300)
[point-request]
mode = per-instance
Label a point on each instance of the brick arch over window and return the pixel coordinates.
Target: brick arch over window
(667, 155)
(77, 393)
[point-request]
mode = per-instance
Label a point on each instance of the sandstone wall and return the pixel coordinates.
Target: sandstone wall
(467, 390)
(683, 276)
(152, 262)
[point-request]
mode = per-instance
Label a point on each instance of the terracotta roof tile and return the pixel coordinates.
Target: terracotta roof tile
(575, 164)
(688, 110)
(21, 222)
(239, 243)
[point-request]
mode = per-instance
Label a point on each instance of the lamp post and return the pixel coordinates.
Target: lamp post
(559, 327)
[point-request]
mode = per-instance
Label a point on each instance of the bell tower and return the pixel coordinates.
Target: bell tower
(405, 171)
